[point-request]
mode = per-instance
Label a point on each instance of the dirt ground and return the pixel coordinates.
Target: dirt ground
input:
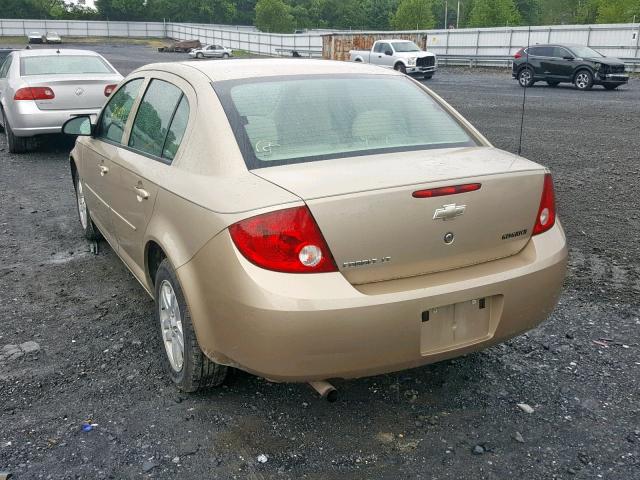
(90, 352)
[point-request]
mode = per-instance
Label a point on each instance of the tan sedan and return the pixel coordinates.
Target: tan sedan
(306, 220)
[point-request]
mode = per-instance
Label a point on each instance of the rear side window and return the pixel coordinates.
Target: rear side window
(63, 65)
(301, 119)
(176, 130)
(4, 69)
(116, 112)
(153, 124)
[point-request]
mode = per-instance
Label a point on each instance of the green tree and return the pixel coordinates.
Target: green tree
(494, 13)
(274, 16)
(618, 11)
(529, 11)
(413, 14)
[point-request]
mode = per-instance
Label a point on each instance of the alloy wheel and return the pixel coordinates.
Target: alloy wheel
(82, 206)
(171, 325)
(582, 80)
(525, 77)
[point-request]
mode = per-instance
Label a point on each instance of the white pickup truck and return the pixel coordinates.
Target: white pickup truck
(402, 55)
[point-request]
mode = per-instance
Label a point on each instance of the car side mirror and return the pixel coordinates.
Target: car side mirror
(568, 58)
(388, 52)
(78, 126)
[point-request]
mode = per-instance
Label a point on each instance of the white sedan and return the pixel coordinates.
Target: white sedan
(217, 51)
(41, 89)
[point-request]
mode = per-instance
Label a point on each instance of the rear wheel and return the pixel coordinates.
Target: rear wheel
(552, 84)
(525, 77)
(187, 366)
(16, 144)
(611, 87)
(399, 67)
(225, 55)
(583, 80)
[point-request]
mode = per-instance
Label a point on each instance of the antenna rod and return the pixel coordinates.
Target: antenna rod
(524, 95)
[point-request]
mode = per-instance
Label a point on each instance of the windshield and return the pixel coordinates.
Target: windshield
(585, 52)
(62, 65)
(405, 47)
(301, 119)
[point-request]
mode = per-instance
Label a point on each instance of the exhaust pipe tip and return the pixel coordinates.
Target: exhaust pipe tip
(326, 390)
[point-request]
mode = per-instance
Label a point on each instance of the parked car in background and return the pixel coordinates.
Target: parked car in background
(401, 55)
(577, 64)
(41, 89)
(35, 37)
(417, 241)
(53, 37)
(217, 51)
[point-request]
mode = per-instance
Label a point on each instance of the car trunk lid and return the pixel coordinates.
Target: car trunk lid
(377, 230)
(73, 92)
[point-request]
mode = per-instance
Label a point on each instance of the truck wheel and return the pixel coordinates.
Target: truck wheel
(428, 76)
(399, 67)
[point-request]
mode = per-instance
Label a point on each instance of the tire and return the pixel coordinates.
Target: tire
(187, 367)
(583, 80)
(552, 84)
(428, 76)
(225, 55)
(199, 55)
(91, 232)
(611, 87)
(16, 144)
(525, 77)
(399, 67)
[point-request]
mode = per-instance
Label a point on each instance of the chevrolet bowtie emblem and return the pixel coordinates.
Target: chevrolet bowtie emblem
(449, 212)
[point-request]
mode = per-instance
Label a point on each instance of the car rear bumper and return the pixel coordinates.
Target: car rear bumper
(309, 327)
(27, 120)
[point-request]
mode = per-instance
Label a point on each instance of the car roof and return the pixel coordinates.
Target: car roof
(43, 52)
(256, 68)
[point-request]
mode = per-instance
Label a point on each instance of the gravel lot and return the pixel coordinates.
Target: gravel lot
(96, 353)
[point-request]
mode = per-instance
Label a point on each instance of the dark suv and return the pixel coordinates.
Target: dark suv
(582, 66)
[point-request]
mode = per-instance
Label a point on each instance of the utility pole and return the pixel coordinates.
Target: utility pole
(446, 12)
(458, 16)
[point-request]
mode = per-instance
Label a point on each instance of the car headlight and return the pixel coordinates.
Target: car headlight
(412, 61)
(598, 66)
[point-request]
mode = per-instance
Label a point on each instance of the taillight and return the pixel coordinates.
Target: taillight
(443, 191)
(34, 93)
(518, 54)
(108, 90)
(285, 241)
(547, 212)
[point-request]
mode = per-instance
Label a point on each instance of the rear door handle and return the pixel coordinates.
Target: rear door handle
(141, 193)
(103, 170)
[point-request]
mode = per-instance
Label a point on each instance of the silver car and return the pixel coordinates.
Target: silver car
(53, 37)
(41, 89)
(211, 51)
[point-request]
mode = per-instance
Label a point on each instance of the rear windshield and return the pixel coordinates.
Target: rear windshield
(63, 65)
(282, 120)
